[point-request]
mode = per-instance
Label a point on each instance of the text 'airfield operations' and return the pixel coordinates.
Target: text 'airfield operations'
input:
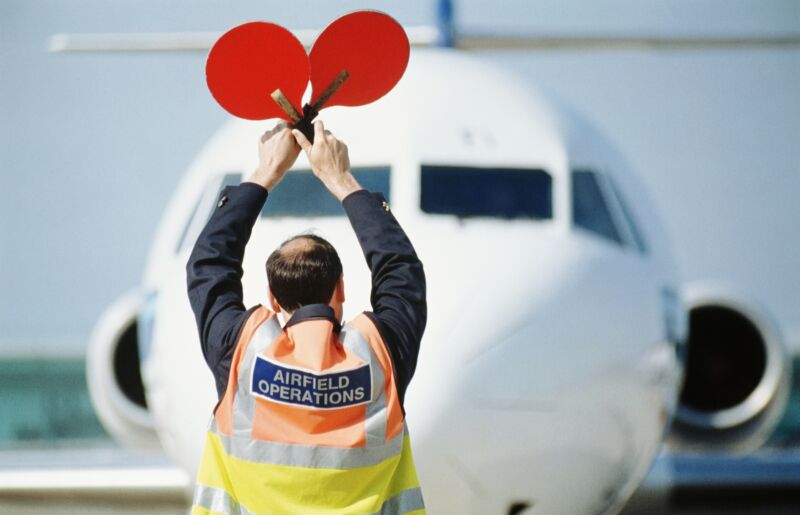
(279, 383)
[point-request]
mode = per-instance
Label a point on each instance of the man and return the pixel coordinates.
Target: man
(310, 416)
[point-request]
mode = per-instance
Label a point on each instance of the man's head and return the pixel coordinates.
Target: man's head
(304, 270)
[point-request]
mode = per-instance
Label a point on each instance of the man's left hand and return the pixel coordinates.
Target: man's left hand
(277, 152)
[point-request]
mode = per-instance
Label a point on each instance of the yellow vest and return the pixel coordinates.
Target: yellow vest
(310, 423)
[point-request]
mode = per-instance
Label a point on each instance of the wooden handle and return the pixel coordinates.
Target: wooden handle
(303, 122)
(287, 106)
(330, 90)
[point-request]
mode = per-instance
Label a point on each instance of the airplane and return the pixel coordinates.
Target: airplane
(552, 363)
(548, 370)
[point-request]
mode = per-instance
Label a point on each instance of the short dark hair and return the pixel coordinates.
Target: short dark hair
(303, 270)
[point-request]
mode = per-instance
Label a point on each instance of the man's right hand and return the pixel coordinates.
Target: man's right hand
(277, 152)
(329, 160)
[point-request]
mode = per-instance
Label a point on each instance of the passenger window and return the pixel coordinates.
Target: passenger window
(300, 193)
(486, 192)
(589, 207)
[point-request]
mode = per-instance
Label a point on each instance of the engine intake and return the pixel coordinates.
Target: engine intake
(737, 373)
(114, 377)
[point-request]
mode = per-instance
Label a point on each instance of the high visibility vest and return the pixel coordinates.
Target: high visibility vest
(310, 423)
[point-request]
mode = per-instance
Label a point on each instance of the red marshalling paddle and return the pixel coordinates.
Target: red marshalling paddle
(259, 70)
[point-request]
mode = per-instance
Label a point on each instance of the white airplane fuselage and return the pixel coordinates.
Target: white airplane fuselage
(547, 374)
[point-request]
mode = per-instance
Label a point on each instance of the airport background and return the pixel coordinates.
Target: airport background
(92, 146)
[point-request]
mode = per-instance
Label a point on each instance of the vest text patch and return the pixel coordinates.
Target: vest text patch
(279, 383)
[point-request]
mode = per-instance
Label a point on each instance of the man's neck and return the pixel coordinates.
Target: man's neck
(310, 312)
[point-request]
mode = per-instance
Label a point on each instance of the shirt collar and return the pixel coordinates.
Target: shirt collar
(314, 312)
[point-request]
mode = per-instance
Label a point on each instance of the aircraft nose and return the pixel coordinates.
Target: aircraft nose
(478, 293)
(515, 326)
(479, 299)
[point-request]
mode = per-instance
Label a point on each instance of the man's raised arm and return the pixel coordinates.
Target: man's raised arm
(398, 279)
(214, 270)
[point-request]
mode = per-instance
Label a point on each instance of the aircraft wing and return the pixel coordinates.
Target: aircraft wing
(423, 35)
(763, 468)
(761, 482)
(187, 41)
(91, 473)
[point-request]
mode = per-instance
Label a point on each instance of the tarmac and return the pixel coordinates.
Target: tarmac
(116, 482)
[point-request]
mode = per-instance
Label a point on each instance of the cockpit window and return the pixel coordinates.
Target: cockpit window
(302, 194)
(486, 192)
(203, 208)
(589, 207)
(636, 233)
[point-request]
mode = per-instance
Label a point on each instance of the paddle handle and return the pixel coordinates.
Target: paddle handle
(299, 122)
(330, 90)
(285, 105)
(303, 122)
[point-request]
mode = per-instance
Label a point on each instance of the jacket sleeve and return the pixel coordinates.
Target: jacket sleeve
(398, 280)
(214, 275)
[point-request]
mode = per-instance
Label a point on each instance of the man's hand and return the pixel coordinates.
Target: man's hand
(329, 161)
(277, 152)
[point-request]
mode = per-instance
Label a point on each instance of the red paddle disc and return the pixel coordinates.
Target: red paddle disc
(371, 46)
(251, 61)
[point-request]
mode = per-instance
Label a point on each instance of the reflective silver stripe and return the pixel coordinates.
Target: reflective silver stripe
(375, 419)
(404, 502)
(217, 500)
(307, 456)
(244, 404)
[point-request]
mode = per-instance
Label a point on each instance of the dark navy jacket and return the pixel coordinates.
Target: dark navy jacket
(214, 274)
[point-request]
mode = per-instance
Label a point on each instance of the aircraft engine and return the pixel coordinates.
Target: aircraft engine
(115, 381)
(738, 373)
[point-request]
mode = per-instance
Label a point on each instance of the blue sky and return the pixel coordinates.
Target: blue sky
(91, 145)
